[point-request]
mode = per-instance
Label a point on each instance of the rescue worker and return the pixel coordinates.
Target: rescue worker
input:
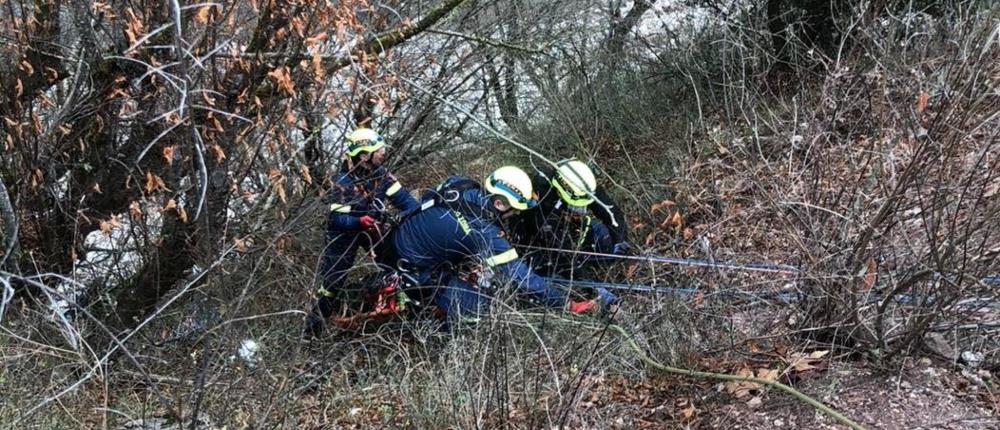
(458, 228)
(358, 210)
(568, 217)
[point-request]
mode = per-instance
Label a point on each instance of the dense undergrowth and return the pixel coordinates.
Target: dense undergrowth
(870, 163)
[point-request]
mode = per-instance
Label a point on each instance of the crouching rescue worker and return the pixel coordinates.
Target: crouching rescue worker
(568, 217)
(358, 210)
(458, 226)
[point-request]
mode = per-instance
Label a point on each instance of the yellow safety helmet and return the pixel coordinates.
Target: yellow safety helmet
(364, 140)
(513, 185)
(575, 183)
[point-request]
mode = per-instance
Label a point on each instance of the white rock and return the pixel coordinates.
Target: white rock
(248, 351)
(972, 359)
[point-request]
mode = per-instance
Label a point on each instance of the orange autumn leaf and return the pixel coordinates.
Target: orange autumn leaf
(319, 37)
(661, 205)
(870, 271)
(305, 174)
(217, 152)
(283, 79)
(135, 210)
(922, 101)
(168, 154)
(154, 182)
(36, 179)
(202, 15)
(240, 244)
(676, 219)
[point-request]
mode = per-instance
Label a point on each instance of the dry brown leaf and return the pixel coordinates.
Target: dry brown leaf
(283, 79)
(922, 101)
(319, 72)
(105, 227)
(281, 193)
(663, 204)
(819, 354)
(202, 15)
(801, 364)
(135, 210)
(317, 38)
(305, 174)
(277, 182)
(168, 154)
(767, 374)
(869, 279)
(217, 152)
(689, 412)
(698, 299)
(741, 389)
(133, 28)
(36, 179)
(182, 214)
(171, 204)
(154, 182)
(240, 244)
(677, 219)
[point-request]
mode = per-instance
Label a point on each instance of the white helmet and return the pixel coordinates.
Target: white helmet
(575, 183)
(364, 140)
(513, 185)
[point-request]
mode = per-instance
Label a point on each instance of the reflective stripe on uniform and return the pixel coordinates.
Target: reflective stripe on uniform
(462, 222)
(393, 189)
(339, 208)
(502, 258)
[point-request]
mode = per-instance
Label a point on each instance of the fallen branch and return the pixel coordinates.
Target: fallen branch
(726, 377)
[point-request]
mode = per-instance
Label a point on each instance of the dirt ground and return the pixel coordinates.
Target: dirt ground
(923, 396)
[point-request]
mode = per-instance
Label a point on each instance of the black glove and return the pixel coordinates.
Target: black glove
(622, 248)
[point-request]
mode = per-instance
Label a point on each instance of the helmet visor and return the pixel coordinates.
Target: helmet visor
(514, 198)
(367, 145)
(569, 193)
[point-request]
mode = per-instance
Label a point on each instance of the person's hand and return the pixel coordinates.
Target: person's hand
(622, 248)
(368, 222)
(606, 297)
(609, 303)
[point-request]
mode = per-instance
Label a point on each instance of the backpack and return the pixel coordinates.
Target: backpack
(449, 195)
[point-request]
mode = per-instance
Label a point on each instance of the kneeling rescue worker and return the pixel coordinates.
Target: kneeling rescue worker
(568, 217)
(358, 209)
(460, 225)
